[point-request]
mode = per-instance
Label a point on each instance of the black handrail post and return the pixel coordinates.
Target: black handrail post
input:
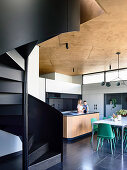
(25, 117)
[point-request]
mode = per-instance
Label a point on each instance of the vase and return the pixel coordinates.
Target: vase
(115, 119)
(119, 117)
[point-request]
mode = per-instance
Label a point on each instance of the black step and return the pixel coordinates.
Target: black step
(46, 161)
(14, 163)
(11, 74)
(37, 151)
(7, 110)
(8, 59)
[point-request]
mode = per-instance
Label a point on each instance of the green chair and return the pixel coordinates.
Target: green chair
(109, 117)
(104, 118)
(105, 132)
(125, 138)
(95, 127)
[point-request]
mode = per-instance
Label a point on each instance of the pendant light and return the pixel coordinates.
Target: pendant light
(104, 82)
(117, 79)
(108, 84)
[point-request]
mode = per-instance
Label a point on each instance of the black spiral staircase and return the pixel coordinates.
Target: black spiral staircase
(23, 24)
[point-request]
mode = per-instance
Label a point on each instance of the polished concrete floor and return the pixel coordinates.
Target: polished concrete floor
(80, 155)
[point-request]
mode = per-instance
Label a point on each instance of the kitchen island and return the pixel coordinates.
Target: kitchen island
(76, 125)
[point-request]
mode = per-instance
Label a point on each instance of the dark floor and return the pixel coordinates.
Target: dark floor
(80, 155)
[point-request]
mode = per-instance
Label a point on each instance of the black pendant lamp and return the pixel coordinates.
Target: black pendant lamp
(118, 80)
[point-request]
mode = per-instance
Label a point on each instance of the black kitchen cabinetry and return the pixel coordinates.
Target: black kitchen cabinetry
(62, 101)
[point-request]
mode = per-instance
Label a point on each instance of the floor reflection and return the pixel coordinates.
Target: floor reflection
(79, 155)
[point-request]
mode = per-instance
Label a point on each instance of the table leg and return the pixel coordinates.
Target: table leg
(92, 134)
(122, 140)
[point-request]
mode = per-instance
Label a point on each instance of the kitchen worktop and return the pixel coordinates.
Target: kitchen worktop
(75, 113)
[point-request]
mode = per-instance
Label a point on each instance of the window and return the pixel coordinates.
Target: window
(123, 74)
(110, 76)
(93, 78)
(113, 75)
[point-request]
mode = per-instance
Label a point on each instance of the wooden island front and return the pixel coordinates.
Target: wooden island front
(77, 125)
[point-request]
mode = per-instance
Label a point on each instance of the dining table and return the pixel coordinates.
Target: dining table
(119, 123)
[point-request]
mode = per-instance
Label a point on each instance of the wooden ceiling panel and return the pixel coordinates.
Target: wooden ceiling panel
(93, 48)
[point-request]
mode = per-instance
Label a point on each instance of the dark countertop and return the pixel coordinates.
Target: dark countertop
(71, 113)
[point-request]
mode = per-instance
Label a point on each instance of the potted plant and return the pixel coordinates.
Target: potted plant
(118, 115)
(114, 102)
(122, 113)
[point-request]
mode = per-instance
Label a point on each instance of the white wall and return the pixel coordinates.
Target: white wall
(36, 85)
(9, 143)
(48, 76)
(94, 94)
(62, 87)
(70, 79)
(60, 83)
(63, 77)
(77, 79)
(42, 89)
(57, 77)
(33, 72)
(95, 99)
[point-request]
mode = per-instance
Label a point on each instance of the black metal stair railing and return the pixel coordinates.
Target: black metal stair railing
(23, 24)
(11, 95)
(46, 124)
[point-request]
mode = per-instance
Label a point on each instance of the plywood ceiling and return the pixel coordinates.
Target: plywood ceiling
(93, 48)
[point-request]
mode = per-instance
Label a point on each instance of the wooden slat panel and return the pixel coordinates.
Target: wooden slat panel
(10, 73)
(8, 99)
(10, 110)
(10, 86)
(74, 126)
